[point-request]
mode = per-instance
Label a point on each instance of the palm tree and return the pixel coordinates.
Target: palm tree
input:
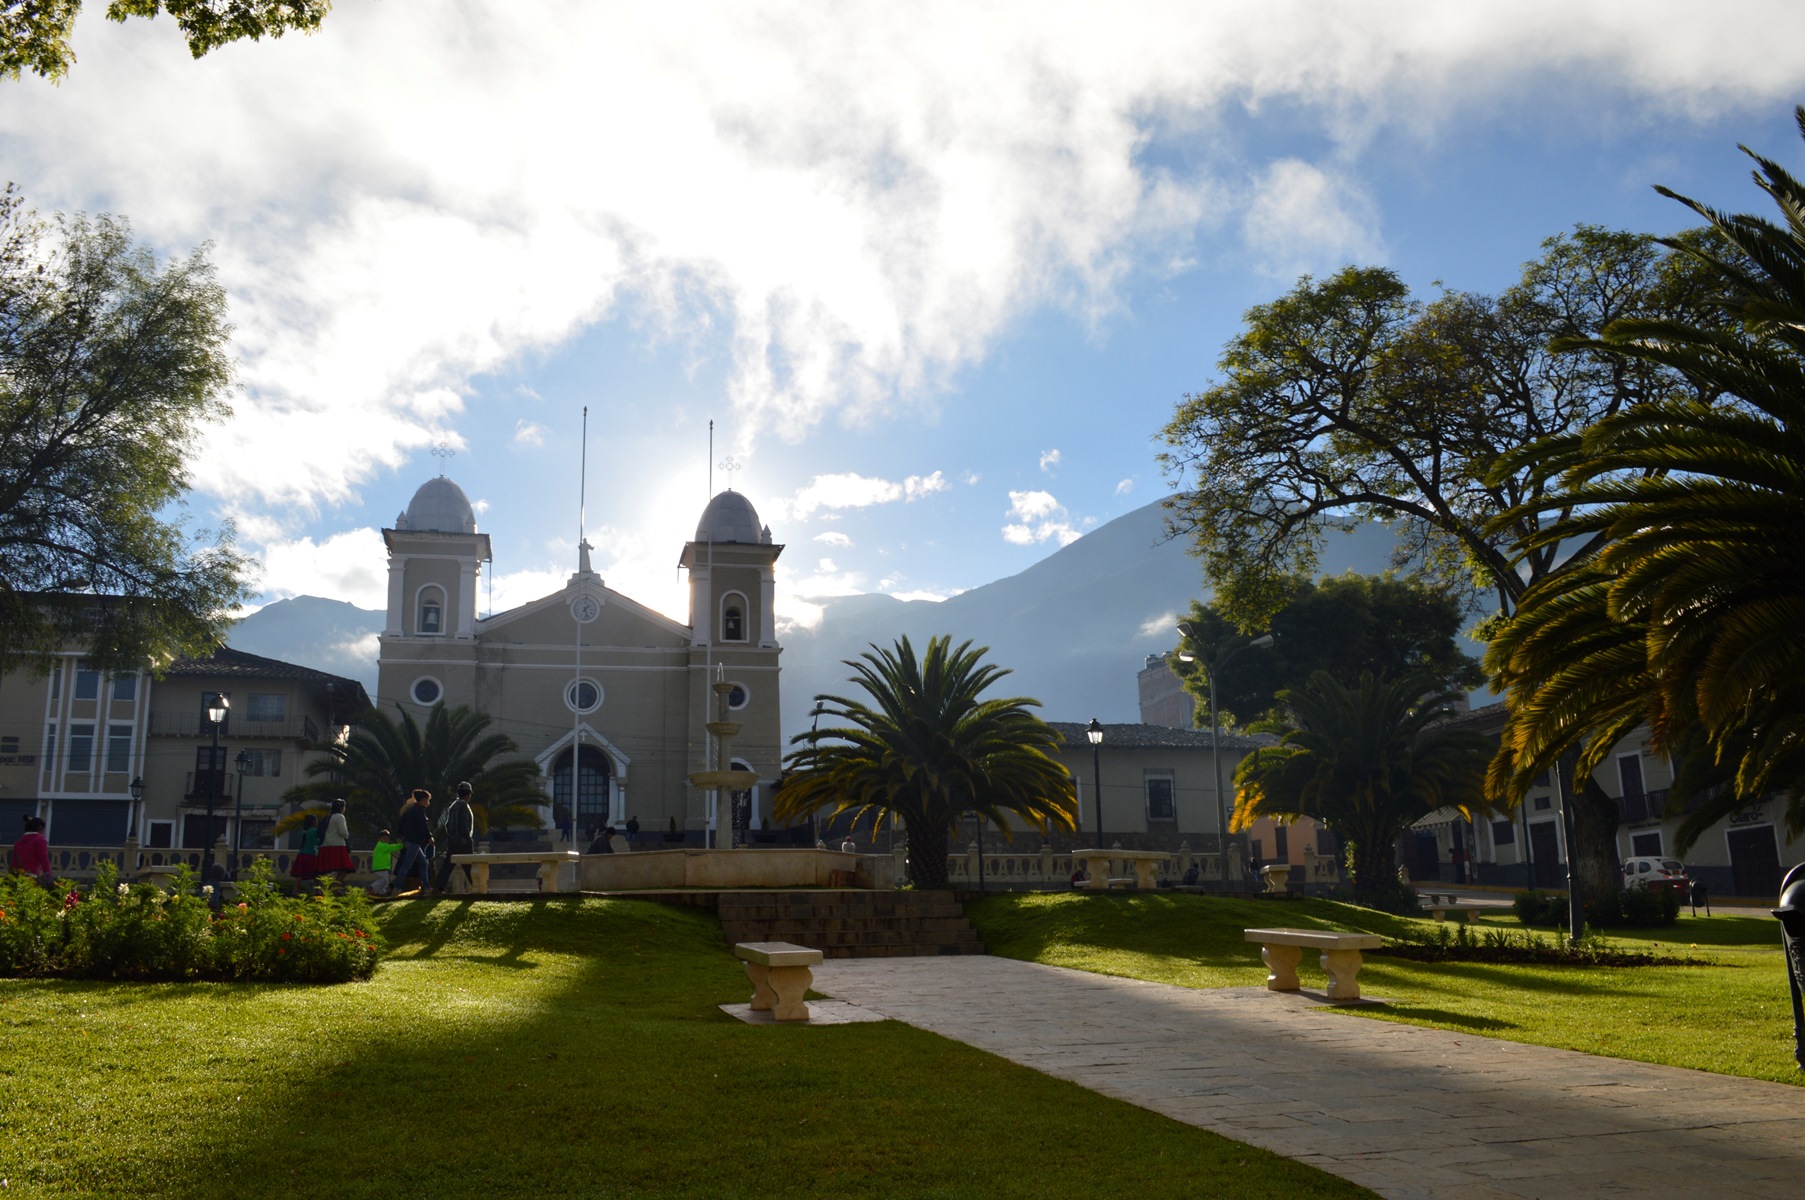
(924, 747)
(384, 758)
(1367, 762)
(1701, 503)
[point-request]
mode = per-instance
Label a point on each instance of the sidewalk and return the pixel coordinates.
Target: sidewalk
(1409, 1112)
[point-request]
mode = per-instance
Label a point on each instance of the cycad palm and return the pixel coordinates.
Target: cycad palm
(1702, 505)
(926, 747)
(386, 757)
(1367, 762)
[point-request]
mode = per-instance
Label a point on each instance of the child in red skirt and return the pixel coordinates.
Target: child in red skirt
(307, 862)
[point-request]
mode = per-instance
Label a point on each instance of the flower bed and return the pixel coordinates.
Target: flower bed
(113, 930)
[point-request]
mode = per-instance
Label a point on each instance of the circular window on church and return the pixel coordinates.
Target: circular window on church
(739, 697)
(426, 690)
(585, 695)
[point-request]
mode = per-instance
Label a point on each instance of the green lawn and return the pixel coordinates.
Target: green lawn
(497, 1053)
(1730, 1014)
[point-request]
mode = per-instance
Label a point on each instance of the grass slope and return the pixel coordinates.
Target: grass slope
(1730, 1014)
(557, 1048)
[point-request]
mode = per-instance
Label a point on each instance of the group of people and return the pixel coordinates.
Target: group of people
(412, 848)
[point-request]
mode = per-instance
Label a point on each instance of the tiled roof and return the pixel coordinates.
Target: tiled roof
(1159, 737)
(227, 663)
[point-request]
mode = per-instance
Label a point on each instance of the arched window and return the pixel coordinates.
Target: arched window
(733, 617)
(592, 791)
(432, 612)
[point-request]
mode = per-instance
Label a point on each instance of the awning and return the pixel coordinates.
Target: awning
(1440, 817)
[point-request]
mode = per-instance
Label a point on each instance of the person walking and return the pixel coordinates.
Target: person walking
(31, 853)
(382, 862)
(415, 828)
(460, 835)
(335, 846)
(307, 862)
(632, 830)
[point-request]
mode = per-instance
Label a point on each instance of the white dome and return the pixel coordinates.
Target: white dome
(440, 506)
(730, 517)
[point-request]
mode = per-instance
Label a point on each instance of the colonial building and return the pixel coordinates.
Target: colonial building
(101, 756)
(588, 678)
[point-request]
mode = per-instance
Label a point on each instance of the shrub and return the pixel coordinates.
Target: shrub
(138, 931)
(1532, 907)
(1647, 908)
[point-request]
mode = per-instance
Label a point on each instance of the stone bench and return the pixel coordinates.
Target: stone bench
(1428, 898)
(780, 977)
(1282, 949)
(550, 861)
(1466, 912)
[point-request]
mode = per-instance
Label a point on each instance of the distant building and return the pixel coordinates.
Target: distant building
(1164, 700)
(73, 743)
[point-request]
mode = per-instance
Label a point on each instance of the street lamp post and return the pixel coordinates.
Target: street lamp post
(1095, 734)
(244, 765)
(136, 788)
(1214, 666)
(219, 706)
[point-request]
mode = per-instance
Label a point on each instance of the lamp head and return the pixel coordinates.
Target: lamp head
(1095, 732)
(1263, 642)
(219, 705)
(136, 788)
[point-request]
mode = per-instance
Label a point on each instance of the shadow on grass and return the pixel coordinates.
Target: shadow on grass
(1416, 1013)
(605, 1069)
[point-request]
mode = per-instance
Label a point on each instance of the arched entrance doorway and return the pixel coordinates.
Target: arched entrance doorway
(593, 774)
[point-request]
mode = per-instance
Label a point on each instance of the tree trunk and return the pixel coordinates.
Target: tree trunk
(1594, 850)
(1375, 868)
(927, 854)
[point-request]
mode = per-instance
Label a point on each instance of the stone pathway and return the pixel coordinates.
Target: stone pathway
(1409, 1112)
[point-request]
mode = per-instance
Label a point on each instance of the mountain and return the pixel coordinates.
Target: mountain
(1075, 628)
(327, 635)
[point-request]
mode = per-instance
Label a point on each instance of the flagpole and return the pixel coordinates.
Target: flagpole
(576, 724)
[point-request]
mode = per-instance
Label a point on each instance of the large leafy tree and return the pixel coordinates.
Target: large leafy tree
(1366, 760)
(35, 35)
(386, 757)
(1348, 400)
(109, 367)
(923, 744)
(1691, 616)
(1343, 624)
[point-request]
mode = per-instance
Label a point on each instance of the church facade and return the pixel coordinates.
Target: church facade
(610, 698)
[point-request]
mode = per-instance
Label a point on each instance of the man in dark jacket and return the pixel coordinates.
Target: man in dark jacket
(415, 828)
(460, 833)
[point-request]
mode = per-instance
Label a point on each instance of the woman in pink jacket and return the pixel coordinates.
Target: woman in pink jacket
(31, 853)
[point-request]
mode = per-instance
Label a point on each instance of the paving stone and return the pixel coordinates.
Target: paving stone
(1413, 1113)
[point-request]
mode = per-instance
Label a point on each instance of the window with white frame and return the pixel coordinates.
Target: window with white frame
(87, 684)
(119, 748)
(262, 762)
(125, 687)
(266, 706)
(160, 835)
(1160, 804)
(81, 747)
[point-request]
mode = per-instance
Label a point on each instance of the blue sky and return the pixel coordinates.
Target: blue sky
(937, 272)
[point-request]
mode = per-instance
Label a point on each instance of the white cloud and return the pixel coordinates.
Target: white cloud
(1037, 517)
(1301, 218)
(350, 566)
(1048, 460)
(862, 198)
(852, 490)
(917, 486)
(923, 594)
(479, 507)
(1124, 487)
(528, 433)
(970, 478)
(1163, 625)
(834, 538)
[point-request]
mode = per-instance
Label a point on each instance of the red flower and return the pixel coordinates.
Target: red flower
(281, 950)
(287, 936)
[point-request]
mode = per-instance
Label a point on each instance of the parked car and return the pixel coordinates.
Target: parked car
(1656, 873)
